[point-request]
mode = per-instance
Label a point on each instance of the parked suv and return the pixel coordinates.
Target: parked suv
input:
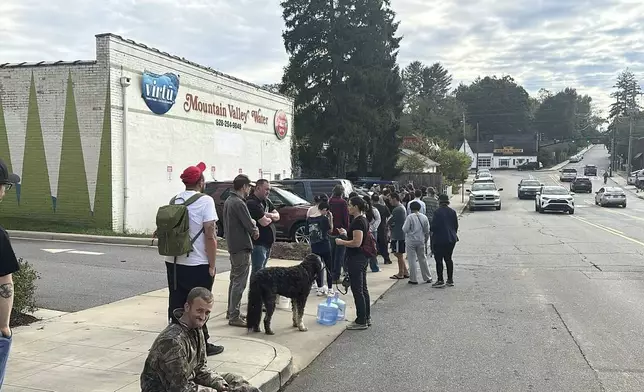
(568, 174)
(590, 170)
(581, 184)
(308, 188)
(292, 209)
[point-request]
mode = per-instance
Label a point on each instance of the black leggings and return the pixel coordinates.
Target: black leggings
(326, 258)
(357, 267)
(188, 277)
(444, 252)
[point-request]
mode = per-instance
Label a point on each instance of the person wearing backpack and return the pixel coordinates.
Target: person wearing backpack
(187, 237)
(416, 229)
(360, 245)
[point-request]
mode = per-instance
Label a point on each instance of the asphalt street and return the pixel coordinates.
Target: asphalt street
(77, 276)
(542, 302)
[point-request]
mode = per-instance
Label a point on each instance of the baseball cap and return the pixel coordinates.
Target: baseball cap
(5, 176)
(192, 174)
(241, 180)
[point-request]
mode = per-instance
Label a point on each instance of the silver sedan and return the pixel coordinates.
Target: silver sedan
(610, 196)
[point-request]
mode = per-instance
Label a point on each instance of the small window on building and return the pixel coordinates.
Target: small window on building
(484, 162)
(504, 162)
(277, 177)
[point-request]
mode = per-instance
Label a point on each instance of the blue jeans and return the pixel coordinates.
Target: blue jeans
(258, 257)
(5, 347)
(338, 253)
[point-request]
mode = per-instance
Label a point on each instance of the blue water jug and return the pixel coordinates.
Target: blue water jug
(342, 306)
(327, 312)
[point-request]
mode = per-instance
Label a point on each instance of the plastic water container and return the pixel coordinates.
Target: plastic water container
(327, 312)
(342, 306)
(283, 303)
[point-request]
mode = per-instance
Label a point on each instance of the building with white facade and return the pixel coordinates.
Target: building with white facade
(102, 143)
(503, 152)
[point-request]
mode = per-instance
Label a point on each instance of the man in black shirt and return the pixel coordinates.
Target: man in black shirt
(263, 211)
(8, 265)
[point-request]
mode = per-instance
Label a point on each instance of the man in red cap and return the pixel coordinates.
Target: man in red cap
(197, 268)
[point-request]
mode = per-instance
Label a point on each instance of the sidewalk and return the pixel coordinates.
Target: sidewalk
(620, 180)
(459, 202)
(104, 348)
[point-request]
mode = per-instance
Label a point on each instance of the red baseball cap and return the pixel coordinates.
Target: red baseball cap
(192, 174)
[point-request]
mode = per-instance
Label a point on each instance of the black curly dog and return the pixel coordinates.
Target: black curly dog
(292, 282)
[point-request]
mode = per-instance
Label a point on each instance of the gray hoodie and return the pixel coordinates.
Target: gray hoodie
(416, 228)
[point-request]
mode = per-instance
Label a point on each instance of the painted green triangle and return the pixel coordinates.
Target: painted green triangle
(35, 194)
(73, 195)
(9, 204)
(103, 195)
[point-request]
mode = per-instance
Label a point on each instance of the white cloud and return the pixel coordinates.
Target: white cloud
(548, 44)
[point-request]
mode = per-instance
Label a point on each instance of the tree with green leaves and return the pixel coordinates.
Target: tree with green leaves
(499, 105)
(625, 114)
(348, 93)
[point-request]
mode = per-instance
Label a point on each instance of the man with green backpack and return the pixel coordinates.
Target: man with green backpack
(187, 237)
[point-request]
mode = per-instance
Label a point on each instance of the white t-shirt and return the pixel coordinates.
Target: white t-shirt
(202, 210)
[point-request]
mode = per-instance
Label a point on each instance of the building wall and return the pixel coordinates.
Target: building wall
(513, 161)
(55, 134)
(161, 146)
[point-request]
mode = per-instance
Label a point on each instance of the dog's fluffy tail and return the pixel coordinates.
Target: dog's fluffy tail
(254, 312)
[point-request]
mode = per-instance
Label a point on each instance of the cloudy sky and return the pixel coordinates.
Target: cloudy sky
(548, 44)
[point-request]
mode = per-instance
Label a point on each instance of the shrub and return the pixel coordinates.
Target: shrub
(24, 285)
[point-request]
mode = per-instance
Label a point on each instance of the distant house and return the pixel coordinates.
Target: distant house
(503, 152)
(426, 165)
(484, 151)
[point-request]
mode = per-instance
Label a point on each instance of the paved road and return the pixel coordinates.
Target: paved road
(542, 302)
(81, 276)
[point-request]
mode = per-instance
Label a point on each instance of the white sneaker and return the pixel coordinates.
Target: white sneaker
(322, 291)
(331, 293)
(315, 286)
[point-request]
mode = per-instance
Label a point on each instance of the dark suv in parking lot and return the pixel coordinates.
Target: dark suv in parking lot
(292, 209)
(581, 184)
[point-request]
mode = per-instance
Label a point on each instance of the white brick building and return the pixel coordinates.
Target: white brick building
(64, 125)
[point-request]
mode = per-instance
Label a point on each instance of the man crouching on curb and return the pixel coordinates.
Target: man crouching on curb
(177, 359)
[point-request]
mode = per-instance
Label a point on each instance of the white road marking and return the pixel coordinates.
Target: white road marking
(84, 252)
(57, 250)
(77, 252)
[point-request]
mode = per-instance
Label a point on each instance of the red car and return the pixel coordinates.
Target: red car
(292, 209)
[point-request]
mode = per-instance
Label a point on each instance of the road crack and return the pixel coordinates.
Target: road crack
(596, 266)
(581, 351)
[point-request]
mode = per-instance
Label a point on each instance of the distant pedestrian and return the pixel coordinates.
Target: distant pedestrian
(417, 194)
(396, 222)
(382, 240)
(196, 268)
(340, 213)
(263, 211)
(373, 217)
(8, 266)
(319, 226)
(431, 205)
(240, 229)
(444, 229)
(416, 229)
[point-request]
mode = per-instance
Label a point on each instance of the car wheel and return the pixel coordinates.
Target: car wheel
(299, 233)
(536, 207)
(498, 208)
(596, 202)
(571, 212)
(624, 205)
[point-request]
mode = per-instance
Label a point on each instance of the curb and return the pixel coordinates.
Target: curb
(277, 373)
(102, 239)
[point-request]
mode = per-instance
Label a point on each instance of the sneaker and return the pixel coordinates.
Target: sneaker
(410, 282)
(450, 283)
(388, 262)
(331, 292)
(314, 286)
(322, 291)
(239, 322)
(369, 322)
(357, 327)
(439, 284)
(429, 281)
(212, 349)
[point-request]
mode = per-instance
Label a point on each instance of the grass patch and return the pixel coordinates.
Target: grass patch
(11, 223)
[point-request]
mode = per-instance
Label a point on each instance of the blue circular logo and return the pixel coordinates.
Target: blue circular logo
(159, 91)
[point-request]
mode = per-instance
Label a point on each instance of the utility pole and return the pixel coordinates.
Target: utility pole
(477, 146)
(463, 184)
(630, 142)
(612, 154)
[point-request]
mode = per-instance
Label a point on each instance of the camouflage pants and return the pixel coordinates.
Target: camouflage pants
(238, 383)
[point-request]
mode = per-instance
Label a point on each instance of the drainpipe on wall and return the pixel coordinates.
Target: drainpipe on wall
(125, 82)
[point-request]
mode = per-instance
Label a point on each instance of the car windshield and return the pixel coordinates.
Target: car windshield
(482, 186)
(569, 171)
(530, 183)
(614, 190)
(290, 198)
(554, 191)
(485, 174)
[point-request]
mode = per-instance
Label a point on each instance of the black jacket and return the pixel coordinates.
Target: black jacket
(444, 226)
